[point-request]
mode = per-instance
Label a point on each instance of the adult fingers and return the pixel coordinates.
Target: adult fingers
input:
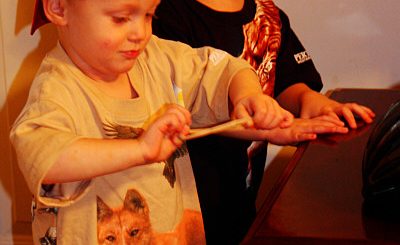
(363, 112)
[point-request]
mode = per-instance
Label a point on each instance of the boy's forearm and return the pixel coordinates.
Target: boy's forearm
(89, 158)
(244, 83)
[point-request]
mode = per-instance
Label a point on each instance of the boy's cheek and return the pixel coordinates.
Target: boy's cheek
(107, 44)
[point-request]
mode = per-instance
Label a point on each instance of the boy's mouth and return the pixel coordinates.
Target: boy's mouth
(131, 54)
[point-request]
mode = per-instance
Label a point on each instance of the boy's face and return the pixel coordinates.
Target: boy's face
(104, 37)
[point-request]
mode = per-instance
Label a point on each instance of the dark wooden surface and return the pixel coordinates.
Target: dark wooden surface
(317, 197)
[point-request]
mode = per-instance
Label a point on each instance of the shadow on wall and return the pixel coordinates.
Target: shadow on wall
(14, 186)
(18, 92)
(19, 89)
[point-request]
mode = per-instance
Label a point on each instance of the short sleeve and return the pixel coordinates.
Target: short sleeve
(43, 130)
(294, 64)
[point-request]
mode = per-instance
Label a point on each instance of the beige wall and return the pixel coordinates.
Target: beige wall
(354, 43)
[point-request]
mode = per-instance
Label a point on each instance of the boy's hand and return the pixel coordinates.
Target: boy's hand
(165, 133)
(264, 110)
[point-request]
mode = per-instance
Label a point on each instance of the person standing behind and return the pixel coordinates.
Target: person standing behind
(259, 32)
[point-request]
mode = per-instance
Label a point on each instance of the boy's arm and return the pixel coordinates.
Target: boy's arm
(248, 100)
(88, 158)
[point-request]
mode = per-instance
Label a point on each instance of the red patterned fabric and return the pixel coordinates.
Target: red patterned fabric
(262, 42)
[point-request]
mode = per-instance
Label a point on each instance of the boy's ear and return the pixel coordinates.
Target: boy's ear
(54, 10)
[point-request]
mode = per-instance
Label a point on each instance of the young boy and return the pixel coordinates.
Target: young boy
(95, 139)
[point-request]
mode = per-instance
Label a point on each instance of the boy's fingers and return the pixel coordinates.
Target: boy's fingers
(177, 139)
(323, 129)
(266, 120)
(288, 119)
(268, 115)
(277, 117)
(240, 111)
(181, 115)
(248, 122)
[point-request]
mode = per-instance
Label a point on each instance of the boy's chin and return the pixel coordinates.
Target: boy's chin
(124, 68)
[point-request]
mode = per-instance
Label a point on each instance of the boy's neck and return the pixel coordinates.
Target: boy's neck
(120, 88)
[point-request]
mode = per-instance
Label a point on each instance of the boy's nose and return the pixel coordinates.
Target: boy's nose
(138, 30)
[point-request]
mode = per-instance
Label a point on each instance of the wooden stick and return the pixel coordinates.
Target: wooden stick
(201, 132)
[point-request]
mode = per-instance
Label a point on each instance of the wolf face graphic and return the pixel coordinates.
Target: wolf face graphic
(130, 224)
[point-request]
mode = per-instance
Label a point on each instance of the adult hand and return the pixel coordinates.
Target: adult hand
(349, 112)
(315, 104)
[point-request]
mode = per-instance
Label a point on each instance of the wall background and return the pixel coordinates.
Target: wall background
(354, 43)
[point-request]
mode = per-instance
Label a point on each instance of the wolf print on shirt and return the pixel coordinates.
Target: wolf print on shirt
(130, 224)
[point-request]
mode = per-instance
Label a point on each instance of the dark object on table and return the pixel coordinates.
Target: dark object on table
(381, 166)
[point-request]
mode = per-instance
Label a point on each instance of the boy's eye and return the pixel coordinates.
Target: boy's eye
(118, 19)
